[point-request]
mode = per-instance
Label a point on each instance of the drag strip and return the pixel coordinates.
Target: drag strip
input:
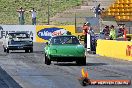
(29, 71)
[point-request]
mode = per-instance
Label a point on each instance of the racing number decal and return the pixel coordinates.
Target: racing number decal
(129, 50)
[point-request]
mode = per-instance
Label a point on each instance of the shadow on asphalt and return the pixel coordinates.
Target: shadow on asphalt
(17, 52)
(95, 64)
(6, 81)
(112, 76)
(74, 64)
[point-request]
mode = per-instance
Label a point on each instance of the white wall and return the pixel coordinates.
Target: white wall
(5, 29)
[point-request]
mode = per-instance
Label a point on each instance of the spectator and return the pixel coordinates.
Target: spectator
(33, 12)
(120, 31)
(112, 33)
(125, 32)
(94, 6)
(86, 28)
(21, 16)
(106, 30)
(97, 11)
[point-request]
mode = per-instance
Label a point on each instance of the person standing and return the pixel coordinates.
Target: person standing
(33, 12)
(112, 33)
(21, 16)
(125, 32)
(106, 30)
(120, 31)
(94, 6)
(86, 28)
(98, 11)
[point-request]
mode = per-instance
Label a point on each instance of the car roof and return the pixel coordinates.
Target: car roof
(18, 33)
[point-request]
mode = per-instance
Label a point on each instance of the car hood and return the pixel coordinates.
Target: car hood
(67, 50)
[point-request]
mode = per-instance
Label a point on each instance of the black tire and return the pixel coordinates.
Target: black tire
(4, 49)
(31, 50)
(81, 61)
(78, 62)
(47, 60)
(26, 51)
(7, 50)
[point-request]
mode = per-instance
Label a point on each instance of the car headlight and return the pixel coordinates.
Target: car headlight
(31, 42)
(9, 42)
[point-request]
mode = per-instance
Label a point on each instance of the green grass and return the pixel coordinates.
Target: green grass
(8, 14)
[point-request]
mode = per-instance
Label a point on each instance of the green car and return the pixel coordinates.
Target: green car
(64, 48)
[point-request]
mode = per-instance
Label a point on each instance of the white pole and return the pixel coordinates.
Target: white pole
(88, 42)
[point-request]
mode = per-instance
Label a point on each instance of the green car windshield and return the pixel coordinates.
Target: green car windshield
(64, 40)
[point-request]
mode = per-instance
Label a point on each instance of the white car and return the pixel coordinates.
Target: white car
(18, 41)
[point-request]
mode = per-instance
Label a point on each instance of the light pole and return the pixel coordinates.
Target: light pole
(75, 21)
(48, 12)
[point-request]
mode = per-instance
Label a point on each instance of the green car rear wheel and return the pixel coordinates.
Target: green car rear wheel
(81, 61)
(47, 60)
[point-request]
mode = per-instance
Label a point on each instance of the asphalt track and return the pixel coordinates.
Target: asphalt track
(27, 70)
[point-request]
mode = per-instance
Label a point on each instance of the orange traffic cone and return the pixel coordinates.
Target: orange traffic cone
(84, 80)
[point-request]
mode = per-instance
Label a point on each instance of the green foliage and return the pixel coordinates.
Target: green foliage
(8, 14)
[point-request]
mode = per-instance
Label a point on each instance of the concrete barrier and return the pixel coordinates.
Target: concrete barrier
(115, 49)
